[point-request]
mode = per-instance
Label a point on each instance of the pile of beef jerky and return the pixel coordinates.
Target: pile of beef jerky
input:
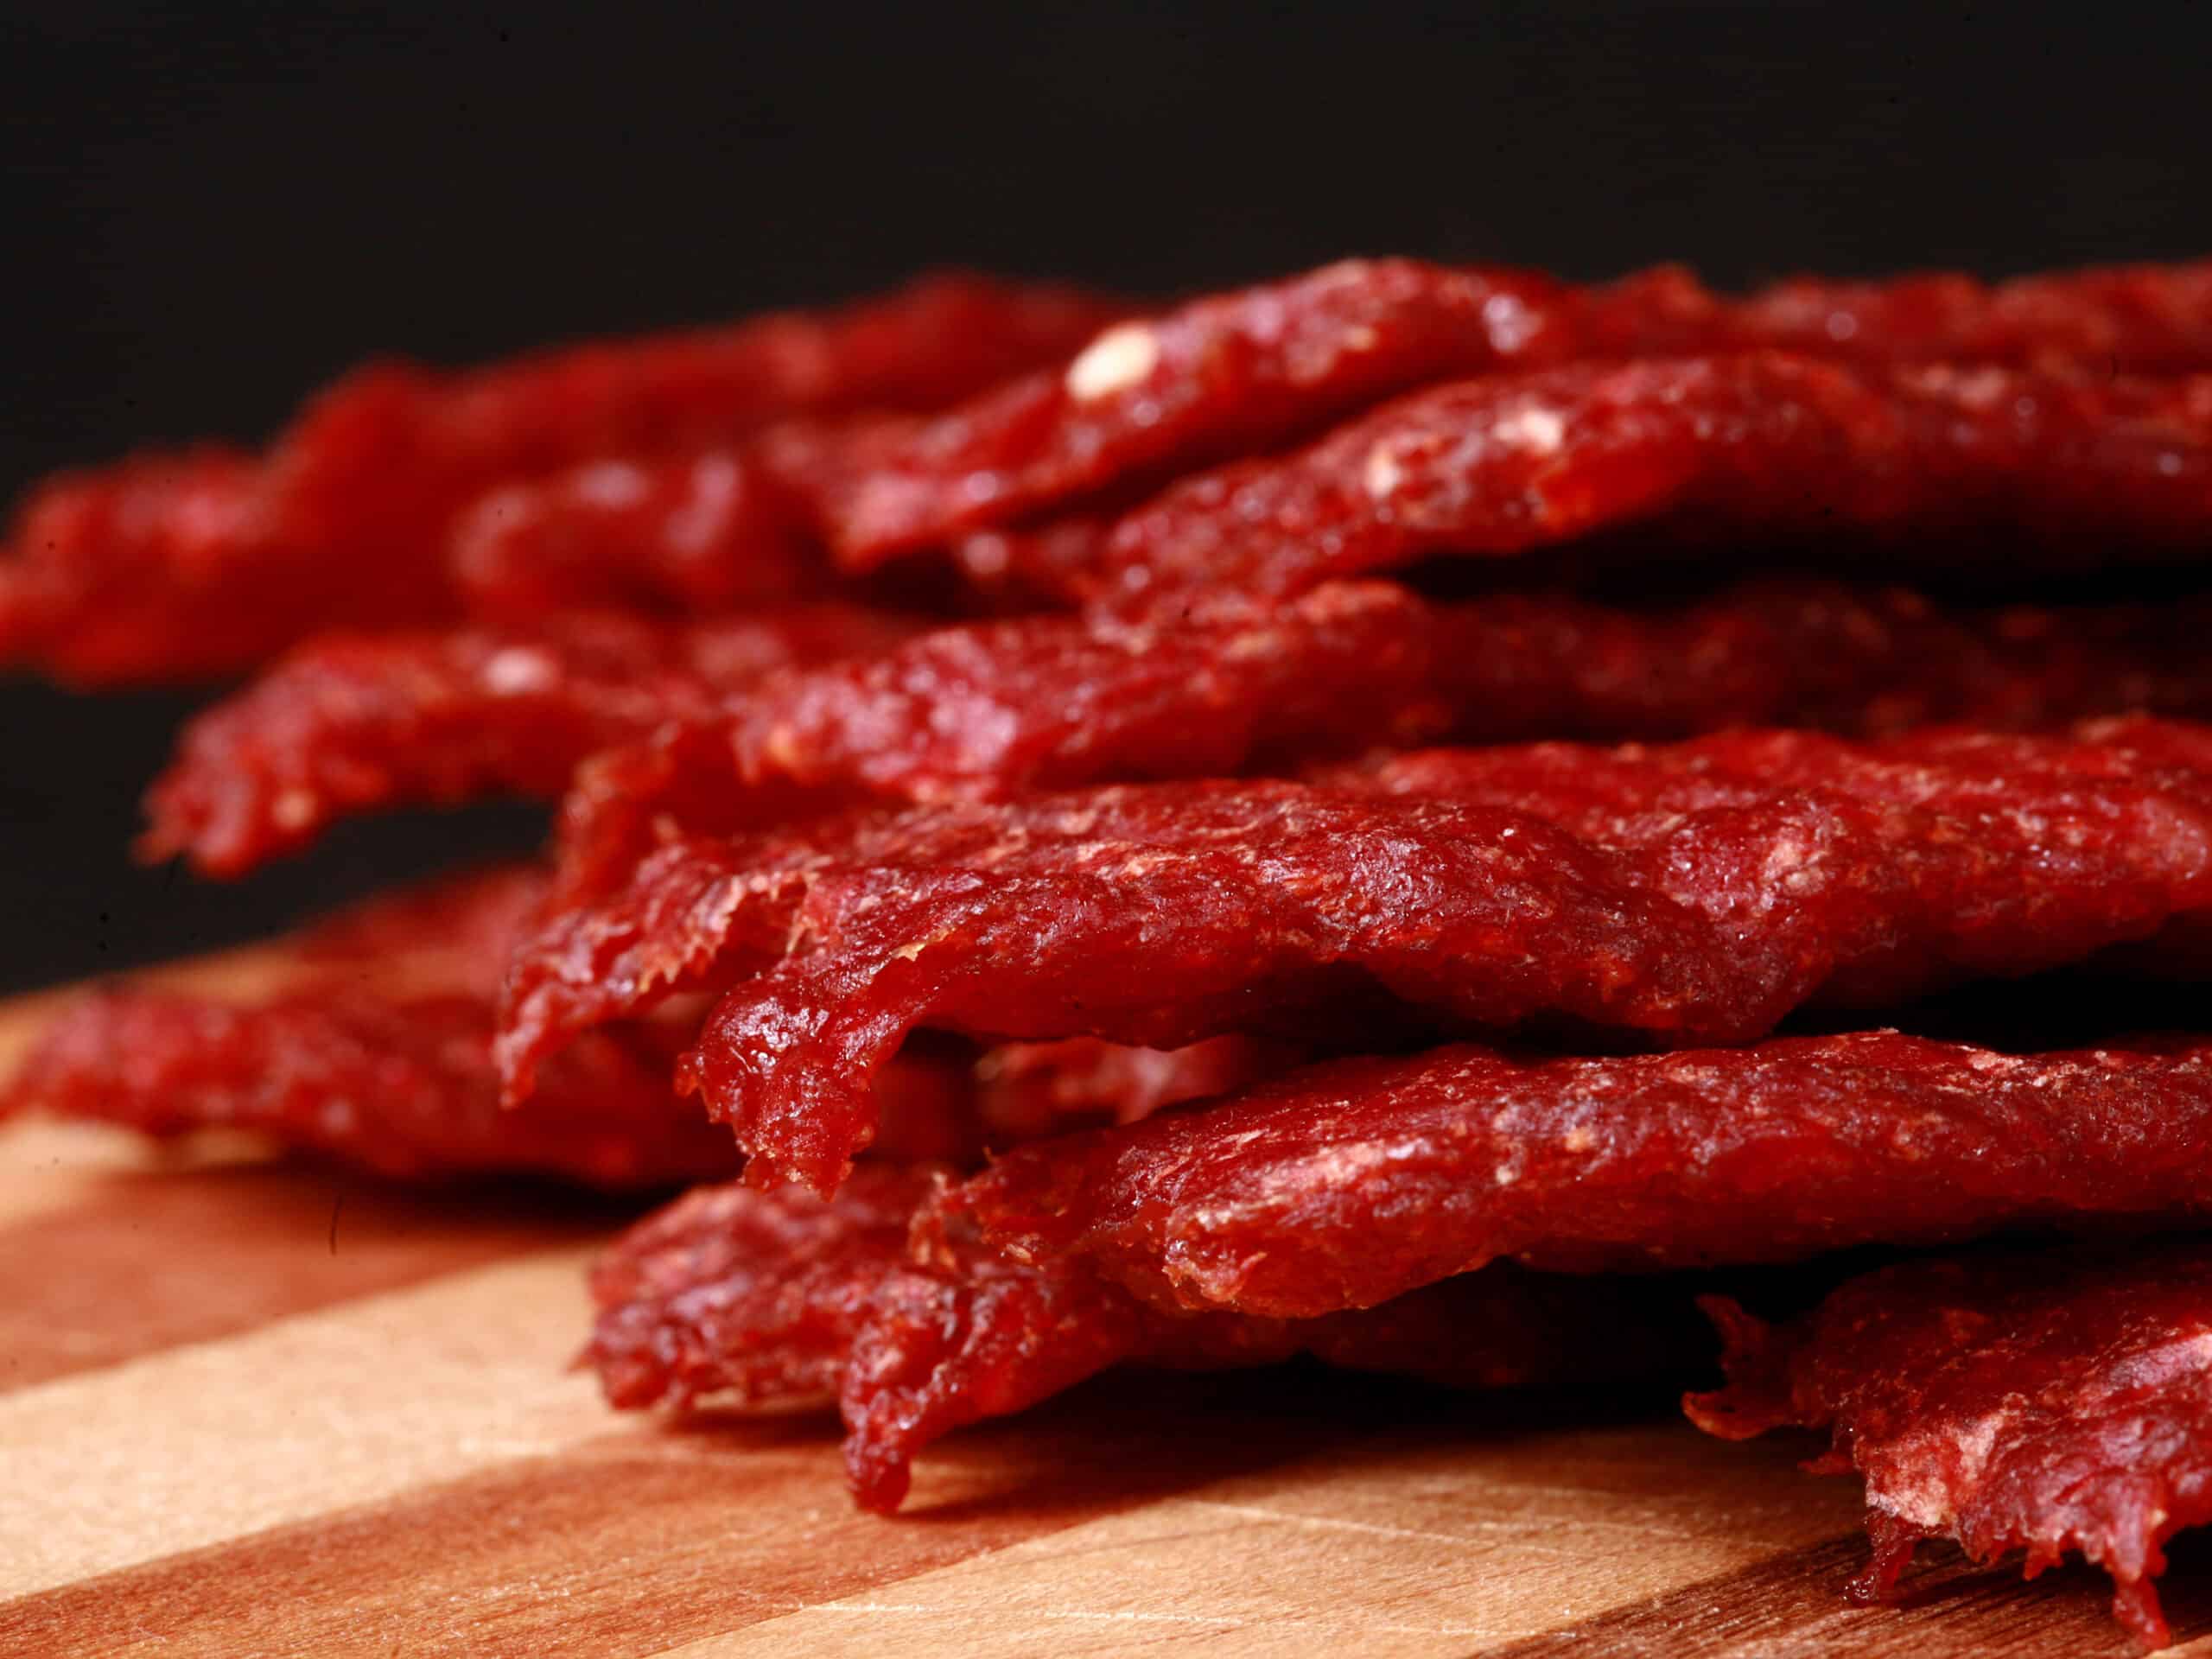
(1392, 815)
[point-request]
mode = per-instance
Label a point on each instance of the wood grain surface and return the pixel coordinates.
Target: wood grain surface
(249, 1408)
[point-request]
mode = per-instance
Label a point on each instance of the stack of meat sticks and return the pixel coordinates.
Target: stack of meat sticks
(997, 736)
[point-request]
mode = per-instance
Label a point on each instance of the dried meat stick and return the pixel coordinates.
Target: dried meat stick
(1692, 893)
(2047, 1403)
(989, 711)
(1695, 449)
(208, 562)
(348, 723)
(757, 1299)
(1238, 373)
(1344, 1185)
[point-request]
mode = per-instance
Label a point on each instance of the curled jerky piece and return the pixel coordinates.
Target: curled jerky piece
(752, 1299)
(211, 561)
(1758, 445)
(1241, 371)
(1344, 1185)
(988, 711)
(348, 723)
(1689, 894)
(2044, 1403)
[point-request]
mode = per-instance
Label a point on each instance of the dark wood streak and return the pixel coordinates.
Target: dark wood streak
(149, 1260)
(1791, 1606)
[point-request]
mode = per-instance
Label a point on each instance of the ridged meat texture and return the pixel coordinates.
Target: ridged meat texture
(353, 722)
(208, 562)
(988, 711)
(745, 1298)
(1344, 1185)
(2052, 1404)
(1238, 373)
(1677, 895)
(1959, 464)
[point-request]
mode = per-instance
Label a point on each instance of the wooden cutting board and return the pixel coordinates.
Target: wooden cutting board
(257, 1408)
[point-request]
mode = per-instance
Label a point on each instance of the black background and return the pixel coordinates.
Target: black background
(208, 209)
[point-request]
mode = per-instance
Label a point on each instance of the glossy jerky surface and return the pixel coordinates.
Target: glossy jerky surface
(987, 711)
(2049, 1404)
(1699, 450)
(165, 566)
(751, 1299)
(350, 723)
(1681, 895)
(1237, 372)
(1344, 1185)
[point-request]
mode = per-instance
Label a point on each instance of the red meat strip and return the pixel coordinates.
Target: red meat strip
(208, 562)
(1763, 445)
(404, 1088)
(2044, 1403)
(351, 722)
(756, 1299)
(1344, 1185)
(705, 530)
(990, 711)
(1237, 372)
(705, 533)
(376, 1050)
(1685, 894)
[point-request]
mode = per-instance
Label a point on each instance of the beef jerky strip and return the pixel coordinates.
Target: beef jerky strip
(1344, 1185)
(348, 723)
(754, 1299)
(375, 1049)
(1763, 445)
(2047, 1403)
(1684, 894)
(212, 560)
(990, 711)
(402, 1087)
(697, 533)
(1246, 371)
(700, 532)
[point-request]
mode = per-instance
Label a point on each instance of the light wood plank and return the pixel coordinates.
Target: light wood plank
(1427, 1543)
(299, 1419)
